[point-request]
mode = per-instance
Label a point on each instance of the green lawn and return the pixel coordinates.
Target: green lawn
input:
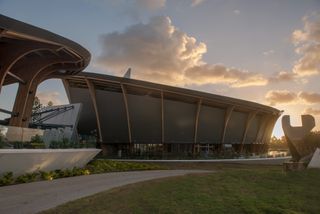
(235, 190)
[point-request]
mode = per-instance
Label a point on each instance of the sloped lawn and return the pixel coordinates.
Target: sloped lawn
(243, 190)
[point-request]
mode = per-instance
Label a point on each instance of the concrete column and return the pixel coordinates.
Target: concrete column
(196, 124)
(92, 92)
(227, 117)
(162, 118)
(250, 118)
(125, 100)
(24, 93)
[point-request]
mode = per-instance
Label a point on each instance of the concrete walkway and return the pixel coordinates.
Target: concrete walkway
(255, 161)
(38, 196)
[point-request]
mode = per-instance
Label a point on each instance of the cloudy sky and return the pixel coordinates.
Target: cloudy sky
(264, 51)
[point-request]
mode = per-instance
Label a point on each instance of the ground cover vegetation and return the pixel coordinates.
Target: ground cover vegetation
(37, 142)
(94, 167)
(234, 189)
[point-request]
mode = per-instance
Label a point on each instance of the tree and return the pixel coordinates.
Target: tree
(313, 139)
(50, 103)
(36, 105)
(278, 143)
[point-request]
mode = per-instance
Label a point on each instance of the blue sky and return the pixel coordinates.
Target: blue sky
(250, 38)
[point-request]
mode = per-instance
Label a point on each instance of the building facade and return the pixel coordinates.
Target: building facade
(127, 116)
(132, 116)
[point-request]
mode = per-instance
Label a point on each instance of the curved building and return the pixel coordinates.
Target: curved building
(124, 114)
(30, 55)
(129, 115)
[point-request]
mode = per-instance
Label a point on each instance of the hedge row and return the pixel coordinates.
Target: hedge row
(94, 167)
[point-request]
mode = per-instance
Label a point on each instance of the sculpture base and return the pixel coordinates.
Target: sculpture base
(294, 166)
(315, 160)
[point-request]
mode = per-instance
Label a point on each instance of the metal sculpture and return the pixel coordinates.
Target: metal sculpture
(296, 136)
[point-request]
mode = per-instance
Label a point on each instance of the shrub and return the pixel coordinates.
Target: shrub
(36, 139)
(67, 173)
(64, 144)
(101, 166)
(7, 179)
(37, 142)
(26, 178)
(48, 175)
(96, 166)
(18, 145)
(1, 142)
(54, 144)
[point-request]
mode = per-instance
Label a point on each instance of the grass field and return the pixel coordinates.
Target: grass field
(232, 189)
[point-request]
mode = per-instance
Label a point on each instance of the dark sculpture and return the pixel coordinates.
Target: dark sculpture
(296, 137)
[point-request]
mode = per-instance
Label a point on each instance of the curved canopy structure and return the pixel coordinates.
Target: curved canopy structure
(30, 55)
(128, 112)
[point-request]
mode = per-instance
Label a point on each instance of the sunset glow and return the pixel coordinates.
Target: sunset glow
(263, 51)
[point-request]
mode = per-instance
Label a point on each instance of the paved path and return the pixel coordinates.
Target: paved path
(256, 161)
(38, 196)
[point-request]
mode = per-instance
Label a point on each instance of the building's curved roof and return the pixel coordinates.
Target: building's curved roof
(23, 45)
(29, 55)
(244, 104)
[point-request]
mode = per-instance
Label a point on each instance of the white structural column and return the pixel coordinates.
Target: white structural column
(227, 117)
(196, 124)
(125, 100)
(92, 92)
(162, 118)
(273, 119)
(250, 118)
(66, 85)
(262, 127)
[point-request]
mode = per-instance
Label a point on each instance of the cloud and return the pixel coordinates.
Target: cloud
(158, 51)
(307, 43)
(283, 96)
(284, 76)
(309, 97)
(268, 53)
(151, 4)
(309, 63)
(312, 111)
(311, 30)
(280, 97)
(196, 2)
(206, 74)
(45, 97)
(237, 12)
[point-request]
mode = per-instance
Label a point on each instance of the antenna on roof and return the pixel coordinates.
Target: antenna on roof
(128, 74)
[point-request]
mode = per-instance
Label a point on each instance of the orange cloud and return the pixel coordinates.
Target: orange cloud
(280, 97)
(206, 74)
(309, 97)
(312, 111)
(283, 96)
(308, 45)
(283, 76)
